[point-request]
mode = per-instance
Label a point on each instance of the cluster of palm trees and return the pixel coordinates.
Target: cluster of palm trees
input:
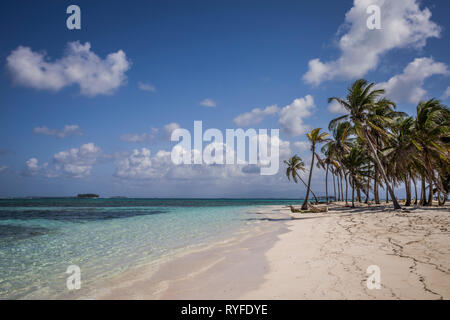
(374, 146)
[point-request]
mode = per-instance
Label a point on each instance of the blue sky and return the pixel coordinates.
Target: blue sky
(166, 58)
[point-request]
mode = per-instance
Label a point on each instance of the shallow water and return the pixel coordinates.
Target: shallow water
(40, 238)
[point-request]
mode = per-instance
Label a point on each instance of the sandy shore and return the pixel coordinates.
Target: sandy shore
(316, 256)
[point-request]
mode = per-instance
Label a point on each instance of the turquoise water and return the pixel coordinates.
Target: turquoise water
(40, 238)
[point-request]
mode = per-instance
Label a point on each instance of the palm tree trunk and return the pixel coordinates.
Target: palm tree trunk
(353, 192)
(314, 195)
(358, 194)
(423, 201)
(305, 203)
(326, 183)
(380, 166)
(408, 190)
(387, 193)
(430, 194)
(334, 186)
(368, 191)
(346, 189)
(342, 187)
(375, 187)
(415, 190)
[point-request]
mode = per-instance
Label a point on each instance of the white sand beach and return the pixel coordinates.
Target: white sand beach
(315, 256)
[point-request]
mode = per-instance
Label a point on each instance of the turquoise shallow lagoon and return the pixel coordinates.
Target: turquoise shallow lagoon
(40, 238)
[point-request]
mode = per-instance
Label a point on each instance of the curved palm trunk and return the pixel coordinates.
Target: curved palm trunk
(314, 195)
(305, 203)
(383, 173)
(326, 183)
(358, 194)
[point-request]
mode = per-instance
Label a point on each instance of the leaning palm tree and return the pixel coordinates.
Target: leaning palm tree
(361, 99)
(315, 137)
(295, 165)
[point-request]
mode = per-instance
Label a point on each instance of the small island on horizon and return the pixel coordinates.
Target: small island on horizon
(87, 196)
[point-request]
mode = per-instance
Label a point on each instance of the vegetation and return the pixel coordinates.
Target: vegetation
(374, 146)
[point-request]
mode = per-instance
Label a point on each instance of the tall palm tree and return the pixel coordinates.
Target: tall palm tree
(361, 99)
(295, 165)
(315, 137)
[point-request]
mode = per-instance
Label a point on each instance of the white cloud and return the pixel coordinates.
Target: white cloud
(255, 116)
(68, 130)
(79, 66)
(168, 128)
(33, 168)
(143, 137)
(146, 87)
(291, 117)
(208, 102)
(336, 107)
(403, 25)
(446, 93)
(407, 86)
(141, 165)
(77, 162)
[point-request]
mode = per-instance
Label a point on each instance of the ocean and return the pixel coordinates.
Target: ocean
(40, 238)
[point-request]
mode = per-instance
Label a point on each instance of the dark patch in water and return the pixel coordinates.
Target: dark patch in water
(13, 233)
(79, 215)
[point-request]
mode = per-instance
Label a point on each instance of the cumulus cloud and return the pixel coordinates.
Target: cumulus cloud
(291, 116)
(407, 86)
(168, 128)
(336, 107)
(79, 65)
(208, 102)
(32, 167)
(77, 162)
(141, 165)
(143, 137)
(68, 130)
(146, 87)
(255, 116)
(403, 24)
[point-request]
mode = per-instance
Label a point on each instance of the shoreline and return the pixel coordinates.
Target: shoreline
(315, 256)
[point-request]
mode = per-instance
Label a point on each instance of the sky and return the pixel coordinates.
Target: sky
(92, 110)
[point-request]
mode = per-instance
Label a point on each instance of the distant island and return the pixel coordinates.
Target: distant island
(88, 196)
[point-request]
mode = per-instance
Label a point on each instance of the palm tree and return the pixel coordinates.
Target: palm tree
(354, 162)
(315, 137)
(295, 165)
(431, 138)
(361, 99)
